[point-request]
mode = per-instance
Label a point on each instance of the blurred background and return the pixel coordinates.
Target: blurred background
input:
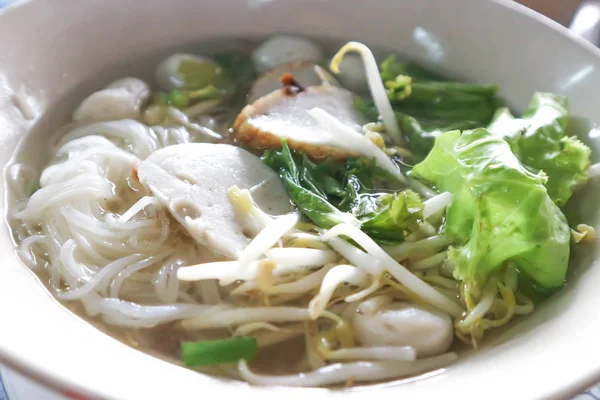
(559, 10)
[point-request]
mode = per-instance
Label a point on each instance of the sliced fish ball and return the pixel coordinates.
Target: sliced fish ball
(168, 73)
(119, 100)
(427, 330)
(304, 73)
(284, 49)
(192, 180)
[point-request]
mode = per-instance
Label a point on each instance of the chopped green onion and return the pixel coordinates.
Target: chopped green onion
(179, 98)
(218, 351)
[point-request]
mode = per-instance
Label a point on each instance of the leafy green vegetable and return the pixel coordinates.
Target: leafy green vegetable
(385, 217)
(390, 68)
(539, 139)
(331, 193)
(366, 107)
(399, 88)
(240, 69)
(185, 98)
(421, 134)
(228, 78)
(198, 74)
(500, 211)
(309, 186)
(238, 65)
(427, 105)
(221, 351)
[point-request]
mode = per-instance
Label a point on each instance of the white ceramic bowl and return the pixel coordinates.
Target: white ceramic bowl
(55, 51)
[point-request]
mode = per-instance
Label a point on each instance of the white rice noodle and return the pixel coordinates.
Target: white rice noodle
(101, 278)
(404, 276)
(114, 162)
(22, 179)
(82, 187)
(128, 134)
(378, 93)
(166, 284)
(390, 353)
(341, 372)
(78, 145)
(73, 271)
(436, 204)
(127, 314)
(97, 253)
(116, 284)
(348, 138)
(338, 275)
(27, 254)
(266, 239)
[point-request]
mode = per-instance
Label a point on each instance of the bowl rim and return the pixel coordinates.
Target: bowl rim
(72, 389)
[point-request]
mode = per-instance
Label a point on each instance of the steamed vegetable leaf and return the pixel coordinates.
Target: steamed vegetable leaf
(426, 105)
(421, 134)
(500, 211)
(330, 193)
(306, 192)
(185, 98)
(540, 141)
(390, 68)
(385, 217)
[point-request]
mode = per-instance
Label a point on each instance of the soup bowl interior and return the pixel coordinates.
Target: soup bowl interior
(54, 52)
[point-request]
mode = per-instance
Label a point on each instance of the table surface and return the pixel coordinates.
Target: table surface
(14, 386)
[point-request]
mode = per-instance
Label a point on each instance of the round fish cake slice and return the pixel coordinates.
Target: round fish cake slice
(192, 180)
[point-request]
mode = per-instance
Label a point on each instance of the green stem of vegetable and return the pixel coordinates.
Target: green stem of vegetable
(220, 351)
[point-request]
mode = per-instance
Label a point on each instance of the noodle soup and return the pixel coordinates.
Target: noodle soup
(357, 219)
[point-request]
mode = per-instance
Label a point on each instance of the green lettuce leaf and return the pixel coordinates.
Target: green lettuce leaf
(307, 187)
(427, 105)
(330, 193)
(386, 217)
(390, 68)
(539, 139)
(500, 210)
